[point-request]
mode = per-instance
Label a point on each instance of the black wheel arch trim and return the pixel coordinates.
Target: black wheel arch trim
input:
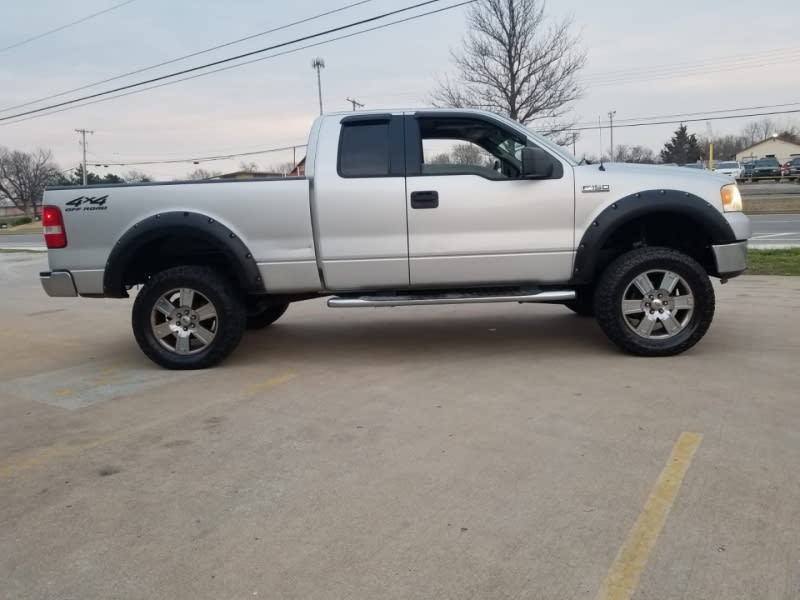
(637, 205)
(177, 223)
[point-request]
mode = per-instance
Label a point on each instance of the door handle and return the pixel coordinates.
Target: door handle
(424, 199)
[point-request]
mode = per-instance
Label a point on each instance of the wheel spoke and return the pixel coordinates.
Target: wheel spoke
(643, 283)
(669, 281)
(207, 311)
(162, 331)
(203, 334)
(646, 326)
(164, 306)
(631, 307)
(682, 302)
(182, 345)
(671, 324)
(187, 297)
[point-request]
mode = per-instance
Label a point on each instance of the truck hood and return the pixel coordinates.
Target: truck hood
(625, 179)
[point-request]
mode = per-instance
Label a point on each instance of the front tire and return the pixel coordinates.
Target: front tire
(188, 317)
(583, 305)
(654, 302)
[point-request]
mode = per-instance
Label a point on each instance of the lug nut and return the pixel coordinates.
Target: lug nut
(194, 317)
(661, 310)
(186, 329)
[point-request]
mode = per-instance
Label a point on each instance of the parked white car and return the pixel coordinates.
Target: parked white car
(732, 168)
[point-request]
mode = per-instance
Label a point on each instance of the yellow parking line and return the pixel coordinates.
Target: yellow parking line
(631, 559)
(270, 383)
(63, 451)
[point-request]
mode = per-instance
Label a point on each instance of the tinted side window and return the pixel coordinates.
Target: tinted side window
(364, 150)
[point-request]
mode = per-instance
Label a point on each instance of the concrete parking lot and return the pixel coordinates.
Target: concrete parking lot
(500, 451)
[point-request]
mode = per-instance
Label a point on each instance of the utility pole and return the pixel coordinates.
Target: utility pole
(83, 133)
(355, 103)
(611, 114)
(319, 64)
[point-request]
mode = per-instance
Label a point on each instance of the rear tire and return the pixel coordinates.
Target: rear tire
(654, 302)
(188, 317)
(266, 316)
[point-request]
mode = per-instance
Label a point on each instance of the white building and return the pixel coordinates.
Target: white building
(780, 149)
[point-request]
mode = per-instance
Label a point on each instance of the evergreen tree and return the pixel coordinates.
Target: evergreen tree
(682, 148)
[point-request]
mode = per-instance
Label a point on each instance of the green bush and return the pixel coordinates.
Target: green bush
(21, 221)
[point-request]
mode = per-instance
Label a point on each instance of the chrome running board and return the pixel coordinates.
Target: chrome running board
(475, 297)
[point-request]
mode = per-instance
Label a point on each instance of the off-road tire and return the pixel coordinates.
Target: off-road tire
(617, 279)
(266, 316)
(228, 321)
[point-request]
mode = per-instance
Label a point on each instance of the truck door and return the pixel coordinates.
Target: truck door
(359, 203)
(471, 219)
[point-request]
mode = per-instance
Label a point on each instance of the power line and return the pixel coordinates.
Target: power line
(180, 58)
(693, 114)
(762, 114)
(224, 60)
(241, 64)
(57, 29)
(691, 63)
(170, 161)
(678, 71)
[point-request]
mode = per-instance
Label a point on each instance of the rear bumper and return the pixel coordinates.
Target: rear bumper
(58, 283)
(731, 259)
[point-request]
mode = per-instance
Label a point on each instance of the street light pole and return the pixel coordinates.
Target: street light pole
(319, 64)
(83, 133)
(611, 114)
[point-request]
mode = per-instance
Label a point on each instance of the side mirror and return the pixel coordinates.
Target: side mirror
(536, 163)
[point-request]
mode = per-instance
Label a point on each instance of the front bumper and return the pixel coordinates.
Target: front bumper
(58, 284)
(731, 259)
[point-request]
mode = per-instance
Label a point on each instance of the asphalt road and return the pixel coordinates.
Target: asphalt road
(770, 188)
(499, 451)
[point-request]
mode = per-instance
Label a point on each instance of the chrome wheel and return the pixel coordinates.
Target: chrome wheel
(184, 321)
(657, 304)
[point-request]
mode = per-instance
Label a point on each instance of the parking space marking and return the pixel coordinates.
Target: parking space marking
(270, 383)
(84, 385)
(47, 455)
(622, 577)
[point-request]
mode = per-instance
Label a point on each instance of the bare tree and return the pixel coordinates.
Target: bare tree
(134, 176)
(515, 63)
(469, 154)
(634, 154)
(198, 174)
(249, 167)
(23, 177)
(283, 168)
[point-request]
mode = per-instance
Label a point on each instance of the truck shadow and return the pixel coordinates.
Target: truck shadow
(407, 337)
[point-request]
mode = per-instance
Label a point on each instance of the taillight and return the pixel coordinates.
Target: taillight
(53, 224)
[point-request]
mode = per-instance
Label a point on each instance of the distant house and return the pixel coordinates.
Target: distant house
(778, 148)
(300, 169)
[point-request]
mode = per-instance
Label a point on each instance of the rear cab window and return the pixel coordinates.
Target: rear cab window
(371, 146)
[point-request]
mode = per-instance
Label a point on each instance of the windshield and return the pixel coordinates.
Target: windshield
(542, 141)
(727, 165)
(767, 162)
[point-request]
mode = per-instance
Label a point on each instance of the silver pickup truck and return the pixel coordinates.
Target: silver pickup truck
(385, 216)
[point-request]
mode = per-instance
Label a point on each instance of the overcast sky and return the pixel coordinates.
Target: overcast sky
(705, 57)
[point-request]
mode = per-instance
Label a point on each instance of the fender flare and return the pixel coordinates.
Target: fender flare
(640, 204)
(178, 223)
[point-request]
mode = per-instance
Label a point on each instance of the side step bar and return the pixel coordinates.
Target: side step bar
(451, 298)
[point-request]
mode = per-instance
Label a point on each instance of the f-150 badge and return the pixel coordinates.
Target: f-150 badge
(591, 189)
